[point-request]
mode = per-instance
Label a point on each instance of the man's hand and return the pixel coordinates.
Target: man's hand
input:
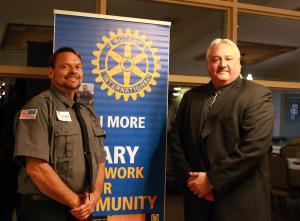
(89, 200)
(84, 211)
(199, 185)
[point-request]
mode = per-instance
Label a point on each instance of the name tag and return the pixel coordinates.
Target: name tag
(63, 116)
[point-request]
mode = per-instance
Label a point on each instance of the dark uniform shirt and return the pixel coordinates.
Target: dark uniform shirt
(47, 128)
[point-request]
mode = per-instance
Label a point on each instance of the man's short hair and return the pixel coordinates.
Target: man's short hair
(224, 41)
(52, 60)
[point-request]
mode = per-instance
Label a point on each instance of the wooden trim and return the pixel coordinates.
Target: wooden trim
(101, 6)
(234, 27)
(119, 18)
(228, 24)
(215, 4)
(197, 80)
(25, 72)
(187, 79)
(268, 11)
(231, 24)
(287, 85)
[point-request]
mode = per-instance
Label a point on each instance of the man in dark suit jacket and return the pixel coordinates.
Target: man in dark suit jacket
(220, 142)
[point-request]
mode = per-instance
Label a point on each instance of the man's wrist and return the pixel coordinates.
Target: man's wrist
(95, 196)
(75, 202)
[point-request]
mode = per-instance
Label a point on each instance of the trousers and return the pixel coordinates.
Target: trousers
(44, 210)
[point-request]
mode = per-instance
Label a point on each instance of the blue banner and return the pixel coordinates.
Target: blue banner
(126, 64)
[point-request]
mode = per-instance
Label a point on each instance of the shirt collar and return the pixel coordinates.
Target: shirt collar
(212, 90)
(61, 96)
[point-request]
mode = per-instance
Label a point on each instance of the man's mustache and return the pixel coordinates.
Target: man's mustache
(221, 69)
(72, 75)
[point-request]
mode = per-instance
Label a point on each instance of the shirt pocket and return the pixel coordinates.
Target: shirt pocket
(66, 138)
(99, 136)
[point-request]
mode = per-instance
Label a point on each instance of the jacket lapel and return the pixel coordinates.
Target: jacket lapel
(195, 114)
(196, 122)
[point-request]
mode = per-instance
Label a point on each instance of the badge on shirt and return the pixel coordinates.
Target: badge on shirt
(29, 114)
(63, 115)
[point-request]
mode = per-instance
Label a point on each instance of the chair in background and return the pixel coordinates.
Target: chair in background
(285, 204)
(279, 186)
(279, 173)
(292, 149)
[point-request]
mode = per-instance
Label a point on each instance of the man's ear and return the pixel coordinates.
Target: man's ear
(50, 72)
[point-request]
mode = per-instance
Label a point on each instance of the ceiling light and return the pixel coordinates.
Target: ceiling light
(2, 91)
(249, 77)
(176, 94)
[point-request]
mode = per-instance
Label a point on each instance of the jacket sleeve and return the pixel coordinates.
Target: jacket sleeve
(175, 141)
(252, 146)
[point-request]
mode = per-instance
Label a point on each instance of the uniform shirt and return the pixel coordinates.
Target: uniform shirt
(50, 131)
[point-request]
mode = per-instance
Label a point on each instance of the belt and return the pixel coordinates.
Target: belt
(36, 197)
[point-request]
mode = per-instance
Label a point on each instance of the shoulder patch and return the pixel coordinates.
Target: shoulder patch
(29, 114)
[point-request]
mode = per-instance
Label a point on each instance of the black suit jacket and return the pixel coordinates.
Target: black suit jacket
(231, 145)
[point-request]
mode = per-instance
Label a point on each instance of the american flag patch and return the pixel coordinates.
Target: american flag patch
(29, 114)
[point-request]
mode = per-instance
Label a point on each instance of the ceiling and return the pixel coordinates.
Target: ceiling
(270, 45)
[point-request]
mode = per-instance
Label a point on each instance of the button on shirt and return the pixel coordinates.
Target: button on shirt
(54, 135)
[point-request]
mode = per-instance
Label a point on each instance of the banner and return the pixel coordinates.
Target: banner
(126, 64)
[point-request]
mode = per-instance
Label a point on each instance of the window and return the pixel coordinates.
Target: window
(269, 47)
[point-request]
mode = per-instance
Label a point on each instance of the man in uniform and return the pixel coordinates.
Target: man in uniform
(220, 143)
(59, 144)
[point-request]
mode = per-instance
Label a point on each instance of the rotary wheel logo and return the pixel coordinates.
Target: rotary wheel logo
(126, 64)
